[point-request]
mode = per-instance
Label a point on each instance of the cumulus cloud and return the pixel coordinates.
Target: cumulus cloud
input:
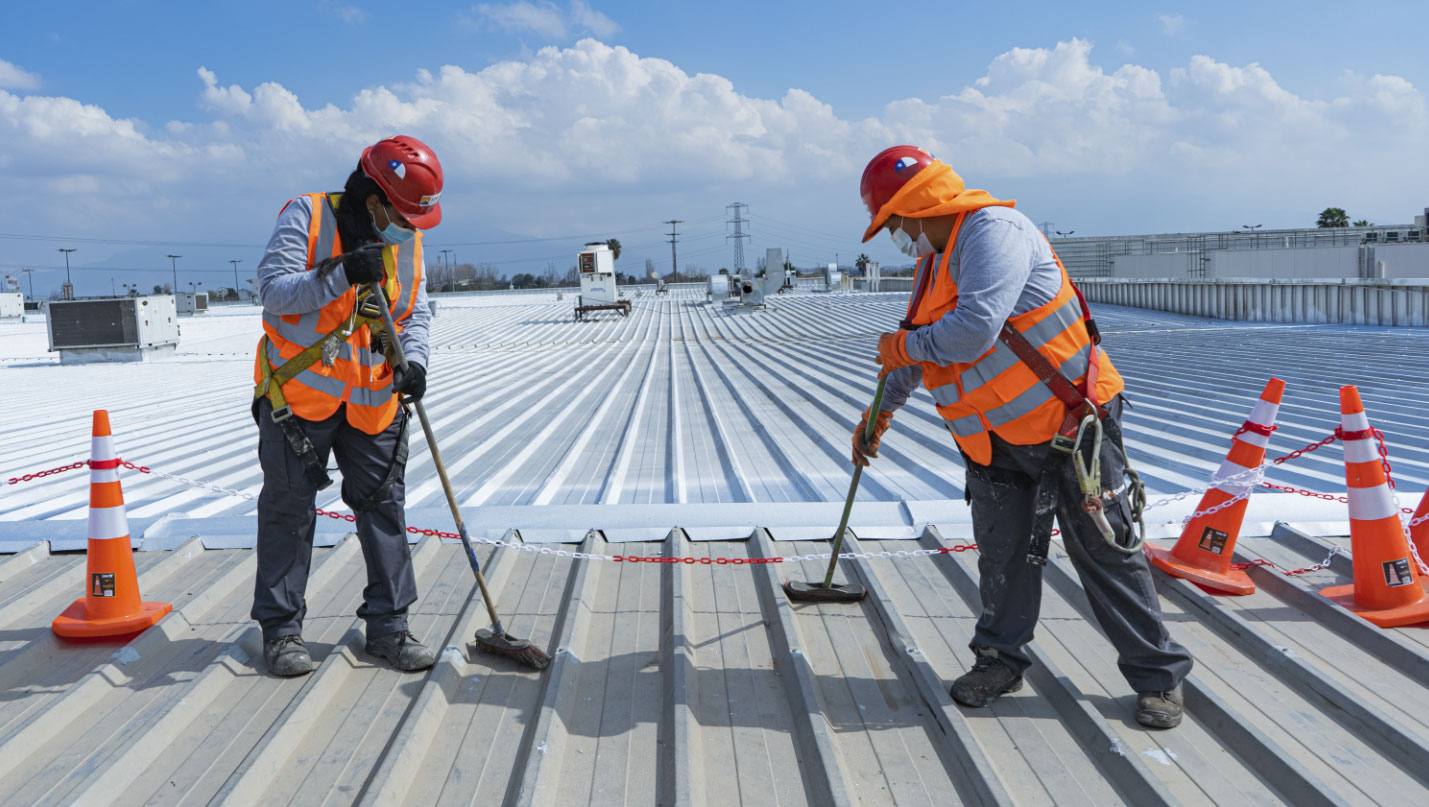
(563, 126)
(13, 78)
(546, 18)
(1171, 24)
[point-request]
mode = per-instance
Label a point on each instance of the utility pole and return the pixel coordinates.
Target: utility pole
(68, 292)
(31, 273)
(113, 290)
(451, 270)
(674, 261)
(1044, 227)
(739, 235)
(235, 280)
(174, 259)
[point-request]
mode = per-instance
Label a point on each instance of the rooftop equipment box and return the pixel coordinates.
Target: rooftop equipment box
(190, 303)
(12, 305)
(113, 329)
(596, 265)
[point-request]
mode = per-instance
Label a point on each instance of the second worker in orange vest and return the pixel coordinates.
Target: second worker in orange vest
(983, 265)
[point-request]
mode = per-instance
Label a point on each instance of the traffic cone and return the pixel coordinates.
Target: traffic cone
(1203, 552)
(1388, 590)
(111, 606)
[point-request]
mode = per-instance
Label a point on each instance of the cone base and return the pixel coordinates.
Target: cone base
(73, 624)
(1410, 614)
(1231, 581)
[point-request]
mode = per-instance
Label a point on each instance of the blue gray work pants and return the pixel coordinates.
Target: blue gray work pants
(1118, 586)
(286, 522)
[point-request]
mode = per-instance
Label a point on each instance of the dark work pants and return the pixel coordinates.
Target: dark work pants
(1118, 586)
(286, 521)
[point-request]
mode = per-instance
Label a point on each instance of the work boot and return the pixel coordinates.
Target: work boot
(989, 678)
(403, 650)
(1159, 710)
(287, 656)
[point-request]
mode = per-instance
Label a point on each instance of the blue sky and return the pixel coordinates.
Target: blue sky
(1127, 118)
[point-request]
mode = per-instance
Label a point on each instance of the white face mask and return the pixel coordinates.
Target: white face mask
(913, 249)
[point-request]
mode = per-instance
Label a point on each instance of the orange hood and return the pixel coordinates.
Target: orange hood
(934, 191)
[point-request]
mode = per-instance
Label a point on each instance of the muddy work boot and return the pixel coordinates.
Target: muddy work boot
(402, 650)
(1159, 710)
(989, 678)
(287, 656)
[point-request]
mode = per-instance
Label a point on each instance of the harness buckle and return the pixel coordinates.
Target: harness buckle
(280, 415)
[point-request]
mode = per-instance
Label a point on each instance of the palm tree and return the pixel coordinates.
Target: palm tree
(614, 245)
(1333, 217)
(861, 264)
(1362, 223)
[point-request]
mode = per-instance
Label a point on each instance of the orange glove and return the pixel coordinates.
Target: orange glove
(893, 352)
(865, 451)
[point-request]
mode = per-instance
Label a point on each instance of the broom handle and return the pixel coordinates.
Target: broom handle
(853, 483)
(401, 359)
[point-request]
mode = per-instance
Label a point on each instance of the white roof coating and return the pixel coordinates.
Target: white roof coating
(695, 432)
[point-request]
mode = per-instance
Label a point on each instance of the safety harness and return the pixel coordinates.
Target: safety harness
(366, 312)
(1084, 415)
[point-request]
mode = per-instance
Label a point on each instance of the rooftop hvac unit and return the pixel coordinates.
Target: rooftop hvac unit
(113, 329)
(12, 305)
(190, 303)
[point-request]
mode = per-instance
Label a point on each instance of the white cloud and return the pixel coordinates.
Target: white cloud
(1171, 24)
(13, 78)
(546, 18)
(591, 136)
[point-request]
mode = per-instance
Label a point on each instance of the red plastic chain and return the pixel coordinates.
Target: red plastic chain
(1254, 428)
(15, 480)
(1295, 455)
(1263, 562)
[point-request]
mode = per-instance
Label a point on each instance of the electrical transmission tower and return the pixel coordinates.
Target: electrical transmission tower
(674, 262)
(739, 235)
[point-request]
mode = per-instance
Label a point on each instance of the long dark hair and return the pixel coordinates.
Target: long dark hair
(354, 223)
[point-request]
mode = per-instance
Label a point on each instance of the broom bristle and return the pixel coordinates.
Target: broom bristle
(818, 592)
(519, 650)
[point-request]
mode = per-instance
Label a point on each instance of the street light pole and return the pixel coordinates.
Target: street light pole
(31, 273)
(174, 259)
(235, 279)
(69, 286)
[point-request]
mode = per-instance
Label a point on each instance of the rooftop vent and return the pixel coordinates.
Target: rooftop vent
(112, 329)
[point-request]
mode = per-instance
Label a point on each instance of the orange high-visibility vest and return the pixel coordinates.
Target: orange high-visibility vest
(997, 392)
(359, 377)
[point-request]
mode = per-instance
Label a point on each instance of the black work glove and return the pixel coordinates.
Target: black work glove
(412, 384)
(363, 266)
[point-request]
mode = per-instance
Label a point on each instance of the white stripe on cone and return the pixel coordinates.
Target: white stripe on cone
(108, 522)
(1370, 504)
(1361, 451)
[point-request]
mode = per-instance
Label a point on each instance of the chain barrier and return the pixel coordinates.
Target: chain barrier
(1314, 567)
(1255, 476)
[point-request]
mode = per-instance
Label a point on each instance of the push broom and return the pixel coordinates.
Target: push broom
(494, 640)
(827, 591)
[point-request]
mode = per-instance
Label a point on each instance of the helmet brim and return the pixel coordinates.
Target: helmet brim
(424, 221)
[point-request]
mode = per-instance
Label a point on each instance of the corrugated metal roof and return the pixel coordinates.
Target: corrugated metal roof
(692, 684)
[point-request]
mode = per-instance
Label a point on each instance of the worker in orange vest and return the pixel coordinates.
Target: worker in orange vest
(324, 385)
(999, 335)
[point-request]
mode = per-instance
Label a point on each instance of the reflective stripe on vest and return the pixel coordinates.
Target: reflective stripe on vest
(358, 376)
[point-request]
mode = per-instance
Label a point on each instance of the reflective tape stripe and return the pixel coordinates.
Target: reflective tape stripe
(1257, 440)
(1023, 404)
(1002, 359)
(965, 426)
(1361, 451)
(101, 447)
(1370, 504)
(1356, 422)
(362, 396)
(100, 476)
(1240, 486)
(322, 383)
(108, 522)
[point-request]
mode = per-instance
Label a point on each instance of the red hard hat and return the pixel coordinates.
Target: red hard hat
(888, 172)
(409, 173)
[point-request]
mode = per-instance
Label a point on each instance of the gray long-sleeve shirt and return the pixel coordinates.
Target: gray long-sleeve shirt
(1003, 267)
(285, 286)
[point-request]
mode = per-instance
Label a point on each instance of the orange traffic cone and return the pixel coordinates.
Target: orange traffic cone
(1388, 590)
(111, 606)
(1203, 553)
